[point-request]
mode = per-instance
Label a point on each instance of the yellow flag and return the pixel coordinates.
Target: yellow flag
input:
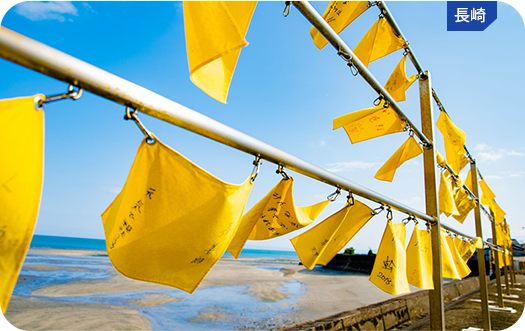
(398, 82)
(389, 272)
(370, 123)
(461, 266)
(479, 243)
(499, 214)
(409, 150)
(379, 41)
(172, 221)
(215, 32)
(322, 242)
(448, 266)
(21, 175)
(274, 216)
(419, 260)
(465, 248)
(447, 205)
(454, 142)
(440, 159)
(487, 196)
(338, 14)
(464, 204)
(469, 182)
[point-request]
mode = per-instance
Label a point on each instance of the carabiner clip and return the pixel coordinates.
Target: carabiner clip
(332, 197)
(280, 170)
(378, 210)
(389, 214)
(256, 165)
(350, 201)
(132, 115)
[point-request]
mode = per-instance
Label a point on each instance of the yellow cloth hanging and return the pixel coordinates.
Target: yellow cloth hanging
(464, 204)
(461, 265)
(440, 159)
(215, 32)
(479, 243)
(409, 150)
(338, 14)
(469, 182)
(379, 41)
(389, 272)
(21, 175)
(499, 214)
(419, 260)
(447, 205)
(274, 216)
(172, 221)
(454, 142)
(465, 248)
(322, 242)
(370, 123)
(398, 82)
(487, 196)
(448, 266)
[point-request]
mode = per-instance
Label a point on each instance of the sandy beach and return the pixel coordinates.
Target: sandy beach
(80, 290)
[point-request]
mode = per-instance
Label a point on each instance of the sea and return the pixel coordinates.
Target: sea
(42, 241)
(219, 307)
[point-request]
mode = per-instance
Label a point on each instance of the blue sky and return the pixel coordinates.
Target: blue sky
(284, 92)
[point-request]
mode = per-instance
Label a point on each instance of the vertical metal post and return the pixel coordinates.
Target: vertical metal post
(512, 267)
(506, 273)
(496, 263)
(437, 311)
(483, 287)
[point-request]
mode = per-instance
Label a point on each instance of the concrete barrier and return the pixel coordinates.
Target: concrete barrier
(391, 313)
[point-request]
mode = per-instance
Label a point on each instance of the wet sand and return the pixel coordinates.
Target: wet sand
(237, 294)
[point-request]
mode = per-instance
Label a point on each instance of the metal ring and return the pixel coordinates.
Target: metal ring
(389, 214)
(280, 170)
(39, 103)
(350, 201)
(378, 100)
(353, 69)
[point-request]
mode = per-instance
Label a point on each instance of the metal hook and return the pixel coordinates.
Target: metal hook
(386, 104)
(332, 197)
(256, 165)
(70, 94)
(350, 201)
(407, 220)
(132, 115)
(280, 170)
(378, 210)
(286, 11)
(353, 69)
(389, 214)
(378, 100)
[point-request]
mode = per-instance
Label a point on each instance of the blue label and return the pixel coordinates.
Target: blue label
(471, 15)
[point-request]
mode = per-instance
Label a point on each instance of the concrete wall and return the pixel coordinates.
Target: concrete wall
(388, 314)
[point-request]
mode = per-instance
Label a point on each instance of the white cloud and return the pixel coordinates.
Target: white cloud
(488, 153)
(111, 189)
(50, 10)
(351, 166)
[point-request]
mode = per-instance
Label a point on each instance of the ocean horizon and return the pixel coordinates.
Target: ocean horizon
(58, 242)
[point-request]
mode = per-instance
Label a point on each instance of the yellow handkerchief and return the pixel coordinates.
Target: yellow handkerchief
(499, 214)
(215, 32)
(446, 198)
(419, 260)
(274, 216)
(322, 242)
(454, 142)
(172, 221)
(21, 175)
(461, 266)
(338, 14)
(487, 196)
(370, 123)
(409, 150)
(448, 265)
(389, 271)
(379, 41)
(398, 82)
(465, 248)
(469, 182)
(464, 204)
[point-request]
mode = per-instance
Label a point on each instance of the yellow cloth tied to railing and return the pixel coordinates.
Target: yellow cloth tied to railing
(274, 216)
(398, 82)
(464, 203)
(499, 214)
(447, 204)
(419, 260)
(378, 42)
(487, 196)
(215, 32)
(448, 265)
(321, 243)
(338, 15)
(465, 248)
(409, 150)
(461, 265)
(389, 272)
(454, 142)
(21, 176)
(172, 221)
(370, 123)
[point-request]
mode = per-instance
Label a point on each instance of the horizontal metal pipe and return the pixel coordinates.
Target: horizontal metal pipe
(51, 62)
(446, 227)
(333, 38)
(390, 18)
